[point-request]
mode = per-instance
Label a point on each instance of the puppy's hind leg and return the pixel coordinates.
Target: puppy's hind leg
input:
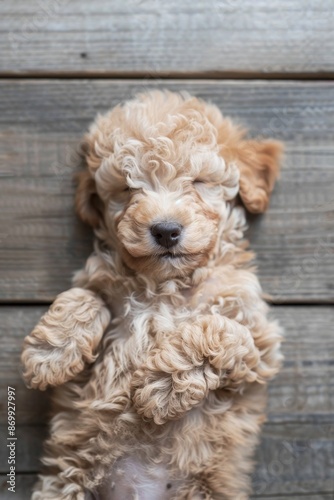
(66, 473)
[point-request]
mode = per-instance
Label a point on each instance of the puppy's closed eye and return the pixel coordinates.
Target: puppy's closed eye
(204, 182)
(210, 192)
(205, 185)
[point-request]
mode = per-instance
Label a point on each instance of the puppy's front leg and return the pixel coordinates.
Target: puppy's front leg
(212, 352)
(65, 339)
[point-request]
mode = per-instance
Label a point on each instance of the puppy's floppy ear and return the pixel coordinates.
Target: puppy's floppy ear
(87, 202)
(259, 163)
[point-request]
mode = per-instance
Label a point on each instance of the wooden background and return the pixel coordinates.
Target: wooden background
(267, 63)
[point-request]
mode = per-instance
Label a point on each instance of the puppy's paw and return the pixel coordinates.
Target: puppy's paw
(229, 348)
(168, 396)
(65, 339)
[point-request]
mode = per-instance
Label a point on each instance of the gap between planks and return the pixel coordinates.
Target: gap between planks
(272, 303)
(207, 75)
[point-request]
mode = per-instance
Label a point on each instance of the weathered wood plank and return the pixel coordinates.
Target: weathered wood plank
(23, 487)
(291, 459)
(152, 38)
(298, 496)
(41, 122)
(296, 454)
(304, 389)
(15, 324)
(28, 449)
(297, 447)
(294, 458)
(302, 392)
(25, 482)
(293, 496)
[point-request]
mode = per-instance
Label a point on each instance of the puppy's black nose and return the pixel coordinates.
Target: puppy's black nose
(166, 234)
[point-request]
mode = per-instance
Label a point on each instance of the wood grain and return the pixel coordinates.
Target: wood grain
(296, 454)
(41, 122)
(42, 243)
(15, 324)
(302, 392)
(292, 459)
(166, 38)
(25, 482)
(28, 449)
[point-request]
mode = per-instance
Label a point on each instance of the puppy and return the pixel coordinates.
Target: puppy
(162, 350)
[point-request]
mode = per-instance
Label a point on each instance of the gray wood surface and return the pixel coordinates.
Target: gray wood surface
(41, 122)
(296, 455)
(24, 484)
(42, 243)
(292, 459)
(31, 406)
(29, 445)
(26, 481)
(166, 38)
(303, 391)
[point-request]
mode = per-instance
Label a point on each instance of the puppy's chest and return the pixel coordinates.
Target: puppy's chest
(138, 322)
(144, 318)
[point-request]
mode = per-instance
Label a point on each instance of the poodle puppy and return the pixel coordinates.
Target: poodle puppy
(162, 350)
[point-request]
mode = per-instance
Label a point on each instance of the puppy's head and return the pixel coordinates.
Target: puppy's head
(160, 174)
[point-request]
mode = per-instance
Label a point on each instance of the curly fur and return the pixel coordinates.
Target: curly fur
(65, 339)
(170, 402)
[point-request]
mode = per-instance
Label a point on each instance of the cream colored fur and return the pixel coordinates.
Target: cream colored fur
(169, 404)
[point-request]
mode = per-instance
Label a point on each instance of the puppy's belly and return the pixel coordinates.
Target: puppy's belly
(133, 479)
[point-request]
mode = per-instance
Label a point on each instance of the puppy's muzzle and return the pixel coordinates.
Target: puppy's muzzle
(167, 234)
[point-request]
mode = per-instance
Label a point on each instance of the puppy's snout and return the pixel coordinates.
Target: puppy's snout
(167, 234)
